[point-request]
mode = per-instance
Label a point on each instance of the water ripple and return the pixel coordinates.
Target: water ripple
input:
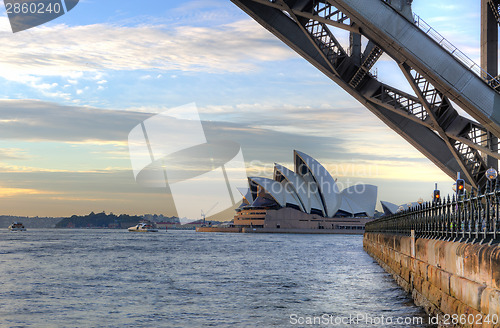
(112, 278)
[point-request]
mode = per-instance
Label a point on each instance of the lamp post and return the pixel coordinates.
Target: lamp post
(491, 174)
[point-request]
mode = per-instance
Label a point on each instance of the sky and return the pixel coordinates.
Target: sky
(71, 91)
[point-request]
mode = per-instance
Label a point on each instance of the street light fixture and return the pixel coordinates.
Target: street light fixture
(491, 174)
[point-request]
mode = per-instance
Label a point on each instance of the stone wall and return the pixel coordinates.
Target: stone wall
(445, 278)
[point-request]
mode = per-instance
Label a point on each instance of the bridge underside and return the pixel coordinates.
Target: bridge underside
(439, 77)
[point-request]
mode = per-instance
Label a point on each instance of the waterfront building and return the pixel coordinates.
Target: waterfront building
(306, 198)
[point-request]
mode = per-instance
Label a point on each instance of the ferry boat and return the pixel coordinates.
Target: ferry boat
(17, 226)
(143, 227)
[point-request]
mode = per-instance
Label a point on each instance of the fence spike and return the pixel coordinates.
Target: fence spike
(472, 216)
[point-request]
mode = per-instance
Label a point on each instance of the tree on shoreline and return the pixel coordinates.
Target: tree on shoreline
(99, 220)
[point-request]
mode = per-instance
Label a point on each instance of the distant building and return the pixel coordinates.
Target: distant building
(390, 208)
(160, 218)
(306, 198)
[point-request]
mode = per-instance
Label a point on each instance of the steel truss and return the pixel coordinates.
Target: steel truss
(495, 7)
(428, 120)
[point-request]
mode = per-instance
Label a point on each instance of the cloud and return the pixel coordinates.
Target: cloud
(68, 51)
(385, 156)
(68, 193)
(266, 132)
(33, 120)
(345, 126)
(11, 192)
(13, 153)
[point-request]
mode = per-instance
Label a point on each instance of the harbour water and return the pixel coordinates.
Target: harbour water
(114, 278)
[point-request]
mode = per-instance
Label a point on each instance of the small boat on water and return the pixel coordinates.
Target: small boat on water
(17, 226)
(143, 227)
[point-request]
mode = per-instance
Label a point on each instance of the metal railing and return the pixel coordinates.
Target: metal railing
(492, 81)
(448, 46)
(473, 219)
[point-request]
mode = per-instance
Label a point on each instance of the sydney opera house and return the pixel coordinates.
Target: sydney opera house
(306, 198)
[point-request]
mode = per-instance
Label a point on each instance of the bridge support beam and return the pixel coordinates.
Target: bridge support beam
(489, 39)
(489, 53)
(440, 74)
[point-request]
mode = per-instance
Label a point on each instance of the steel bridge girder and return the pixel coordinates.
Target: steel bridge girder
(388, 103)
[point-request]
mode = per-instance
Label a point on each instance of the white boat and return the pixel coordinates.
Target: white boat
(17, 226)
(143, 227)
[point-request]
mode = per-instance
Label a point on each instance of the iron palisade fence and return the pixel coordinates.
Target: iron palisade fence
(469, 218)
